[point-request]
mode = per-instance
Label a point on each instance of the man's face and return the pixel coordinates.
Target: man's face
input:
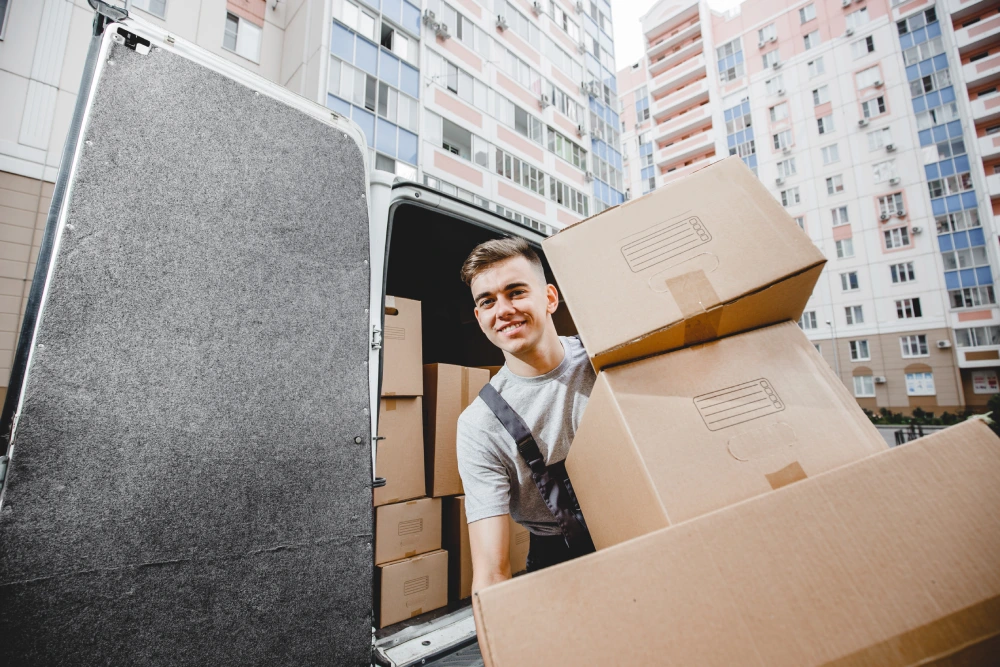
(513, 304)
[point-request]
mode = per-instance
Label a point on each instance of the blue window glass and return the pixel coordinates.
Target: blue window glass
(941, 61)
(388, 68)
(926, 67)
(933, 30)
(944, 243)
(906, 41)
(977, 237)
(985, 275)
(940, 133)
(967, 277)
(947, 167)
(407, 146)
(367, 56)
(731, 140)
(366, 121)
(411, 18)
(393, 9)
(962, 163)
(955, 128)
(947, 95)
(912, 73)
(409, 80)
(919, 104)
(342, 43)
(919, 36)
(960, 240)
(385, 138)
(925, 137)
(954, 203)
(338, 105)
(951, 280)
(932, 171)
(969, 199)
(937, 205)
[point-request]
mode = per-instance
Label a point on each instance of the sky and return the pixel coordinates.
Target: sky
(629, 45)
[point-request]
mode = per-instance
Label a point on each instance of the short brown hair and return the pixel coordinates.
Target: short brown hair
(485, 255)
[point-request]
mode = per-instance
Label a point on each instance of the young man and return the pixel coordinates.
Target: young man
(547, 380)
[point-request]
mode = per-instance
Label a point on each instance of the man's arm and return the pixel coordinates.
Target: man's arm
(489, 542)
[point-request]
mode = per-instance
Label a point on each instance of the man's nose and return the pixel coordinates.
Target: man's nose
(505, 307)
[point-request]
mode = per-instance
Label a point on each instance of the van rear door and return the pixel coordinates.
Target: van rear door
(190, 478)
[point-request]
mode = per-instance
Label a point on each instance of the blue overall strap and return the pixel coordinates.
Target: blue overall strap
(552, 481)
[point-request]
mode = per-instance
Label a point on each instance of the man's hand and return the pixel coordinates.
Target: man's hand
(489, 542)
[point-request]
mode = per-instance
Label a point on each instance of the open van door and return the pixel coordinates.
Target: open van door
(189, 417)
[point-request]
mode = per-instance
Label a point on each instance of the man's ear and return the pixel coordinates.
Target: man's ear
(552, 296)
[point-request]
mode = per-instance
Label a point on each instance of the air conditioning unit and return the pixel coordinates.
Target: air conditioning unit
(598, 134)
(441, 30)
(589, 176)
(772, 38)
(786, 150)
(862, 122)
(502, 22)
(849, 32)
(878, 83)
(760, 45)
(890, 148)
(581, 130)
(544, 101)
(884, 217)
(780, 180)
(916, 230)
(943, 344)
(894, 180)
(582, 47)
(776, 64)
(429, 18)
(536, 7)
(879, 379)
(579, 6)
(781, 91)
(901, 213)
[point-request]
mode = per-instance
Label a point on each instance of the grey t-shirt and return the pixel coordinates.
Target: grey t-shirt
(497, 480)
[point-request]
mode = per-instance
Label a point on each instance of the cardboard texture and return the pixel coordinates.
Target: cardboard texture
(682, 265)
(399, 456)
(402, 348)
(675, 436)
(893, 560)
(412, 586)
(449, 390)
(456, 541)
(407, 529)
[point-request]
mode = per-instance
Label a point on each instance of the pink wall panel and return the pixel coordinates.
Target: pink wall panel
(515, 89)
(521, 197)
(470, 7)
(520, 143)
(521, 47)
(566, 218)
(457, 107)
(841, 232)
(458, 168)
(975, 315)
(463, 53)
(571, 173)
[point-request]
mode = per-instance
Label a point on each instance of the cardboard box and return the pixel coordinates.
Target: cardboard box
(409, 587)
(456, 541)
(893, 560)
(708, 255)
(492, 369)
(449, 390)
(399, 457)
(407, 529)
(675, 436)
(402, 348)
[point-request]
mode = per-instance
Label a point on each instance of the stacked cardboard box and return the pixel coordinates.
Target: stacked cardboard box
(449, 390)
(736, 475)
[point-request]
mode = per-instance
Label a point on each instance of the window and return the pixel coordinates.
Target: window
(775, 86)
(873, 107)
(936, 116)
(818, 348)
(816, 67)
(890, 204)
(808, 320)
(779, 112)
(566, 105)
(854, 315)
(811, 40)
(896, 238)
(972, 297)
(916, 21)
(834, 184)
(950, 185)
(456, 139)
(790, 197)
(522, 26)
(849, 281)
(520, 172)
(923, 51)
(954, 222)
(902, 273)
(783, 139)
(913, 346)
(845, 248)
(514, 116)
(965, 258)
(801, 222)
(863, 47)
(821, 95)
(520, 70)
(883, 171)
(919, 384)
(928, 84)
(864, 386)
(771, 57)
(859, 350)
(154, 7)
(563, 20)
(830, 154)
(563, 194)
(857, 18)
(563, 60)
(949, 148)
(807, 13)
(879, 138)
(867, 78)
(977, 336)
(825, 124)
(358, 20)
(767, 33)
(839, 215)
(570, 151)
(242, 37)
(907, 309)
(398, 43)
(787, 168)
(730, 58)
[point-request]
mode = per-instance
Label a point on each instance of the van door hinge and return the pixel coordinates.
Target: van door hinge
(376, 337)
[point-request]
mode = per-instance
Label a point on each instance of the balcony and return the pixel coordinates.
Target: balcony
(978, 34)
(989, 146)
(694, 93)
(675, 58)
(684, 171)
(993, 185)
(959, 9)
(985, 109)
(685, 149)
(676, 76)
(670, 42)
(682, 124)
(985, 70)
(667, 19)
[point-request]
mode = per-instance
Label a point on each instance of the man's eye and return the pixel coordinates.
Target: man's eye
(485, 303)
(518, 292)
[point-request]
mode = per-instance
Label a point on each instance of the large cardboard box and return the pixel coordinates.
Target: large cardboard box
(409, 587)
(456, 541)
(407, 529)
(891, 561)
(449, 390)
(675, 436)
(402, 348)
(709, 255)
(399, 455)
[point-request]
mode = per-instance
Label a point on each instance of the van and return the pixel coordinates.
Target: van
(194, 396)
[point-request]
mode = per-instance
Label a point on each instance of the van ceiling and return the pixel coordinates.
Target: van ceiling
(426, 251)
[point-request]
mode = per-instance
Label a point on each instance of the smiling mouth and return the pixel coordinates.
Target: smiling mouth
(510, 328)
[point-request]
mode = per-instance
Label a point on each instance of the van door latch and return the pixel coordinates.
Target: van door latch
(376, 337)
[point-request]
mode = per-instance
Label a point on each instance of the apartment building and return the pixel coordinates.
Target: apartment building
(871, 121)
(637, 140)
(510, 104)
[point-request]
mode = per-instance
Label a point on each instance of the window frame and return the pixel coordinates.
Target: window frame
(240, 22)
(910, 342)
(859, 350)
(859, 392)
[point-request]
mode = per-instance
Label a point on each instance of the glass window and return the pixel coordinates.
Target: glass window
(835, 184)
(902, 273)
(825, 124)
(863, 47)
(896, 238)
(849, 281)
(908, 309)
(808, 320)
(854, 315)
(821, 95)
(811, 40)
(864, 386)
(920, 384)
(830, 154)
(839, 215)
(859, 350)
(816, 67)
(154, 7)
(977, 336)
(913, 346)
(807, 13)
(845, 248)
(456, 139)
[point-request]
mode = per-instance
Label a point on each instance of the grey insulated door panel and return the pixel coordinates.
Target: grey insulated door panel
(187, 485)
